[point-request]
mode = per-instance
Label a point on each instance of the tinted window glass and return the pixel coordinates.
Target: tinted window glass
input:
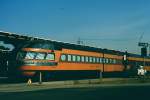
(90, 59)
(30, 55)
(69, 57)
(94, 59)
(63, 57)
(97, 60)
(87, 59)
(40, 56)
(78, 58)
(101, 60)
(110, 60)
(114, 61)
(74, 58)
(50, 56)
(82, 58)
(106, 60)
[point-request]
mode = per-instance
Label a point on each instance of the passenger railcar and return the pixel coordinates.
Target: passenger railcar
(54, 59)
(135, 60)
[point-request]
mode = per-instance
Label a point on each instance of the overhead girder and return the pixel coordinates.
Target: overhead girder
(16, 40)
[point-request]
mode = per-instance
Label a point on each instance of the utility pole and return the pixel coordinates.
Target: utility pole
(40, 77)
(143, 50)
(79, 41)
(143, 46)
(125, 62)
(148, 48)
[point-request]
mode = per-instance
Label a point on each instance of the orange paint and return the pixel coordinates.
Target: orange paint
(113, 56)
(78, 65)
(113, 68)
(37, 50)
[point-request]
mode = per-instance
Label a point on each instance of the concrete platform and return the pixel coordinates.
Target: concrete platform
(106, 82)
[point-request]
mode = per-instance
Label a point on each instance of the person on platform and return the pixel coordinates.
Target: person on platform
(141, 71)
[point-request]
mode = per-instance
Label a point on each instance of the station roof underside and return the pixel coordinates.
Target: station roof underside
(15, 39)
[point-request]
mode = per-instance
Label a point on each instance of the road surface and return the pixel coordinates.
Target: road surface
(89, 92)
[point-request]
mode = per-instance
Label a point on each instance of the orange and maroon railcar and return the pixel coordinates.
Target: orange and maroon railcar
(57, 59)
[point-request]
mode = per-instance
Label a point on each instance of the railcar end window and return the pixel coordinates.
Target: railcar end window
(30, 55)
(50, 56)
(40, 56)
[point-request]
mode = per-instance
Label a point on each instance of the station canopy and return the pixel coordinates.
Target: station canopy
(19, 40)
(8, 37)
(15, 40)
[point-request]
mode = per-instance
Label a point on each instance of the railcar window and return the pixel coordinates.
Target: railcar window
(97, 60)
(63, 57)
(148, 63)
(50, 56)
(69, 57)
(87, 59)
(94, 59)
(119, 61)
(107, 61)
(78, 58)
(110, 60)
(40, 56)
(104, 60)
(30, 55)
(82, 58)
(90, 59)
(74, 58)
(114, 61)
(101, 60)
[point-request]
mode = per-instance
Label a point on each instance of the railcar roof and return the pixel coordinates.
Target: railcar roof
(137, 56)
(60, 45)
